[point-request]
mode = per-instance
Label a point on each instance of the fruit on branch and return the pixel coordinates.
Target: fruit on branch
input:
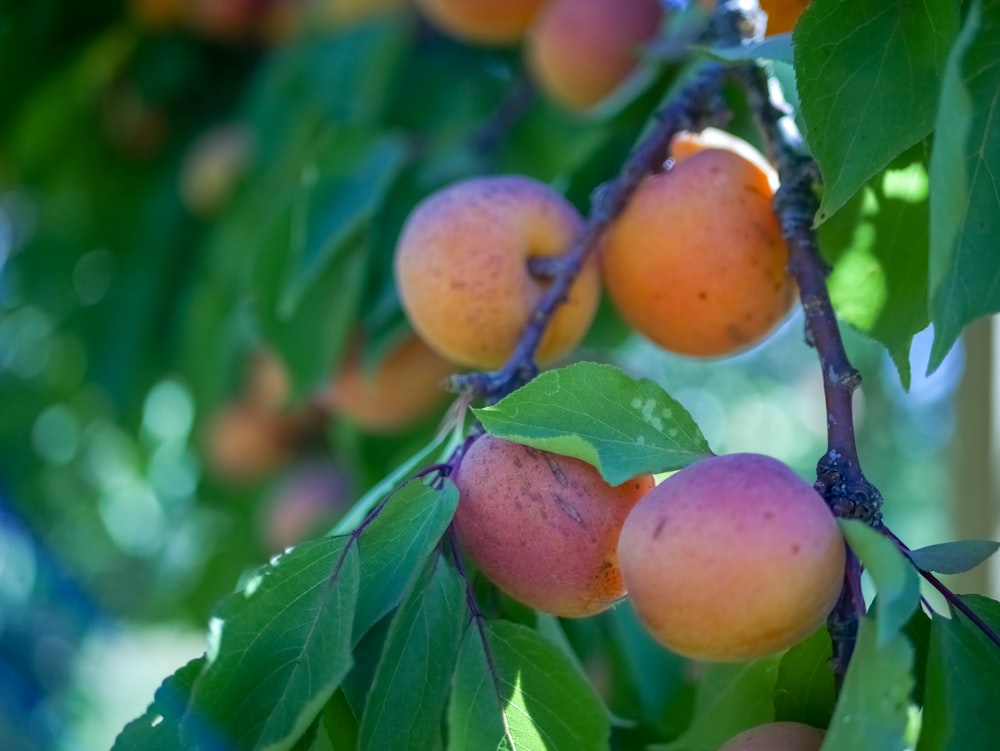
(464, 269)
(686, 143)
(776, 736)
(542, 527)
(481, 21)
(696, 261)
(306, 501)
(782, 14)
(244, 443)
(732, 558)
(579, 51)
(403, 387)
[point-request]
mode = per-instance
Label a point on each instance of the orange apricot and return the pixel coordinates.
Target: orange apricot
(776, 736)
(782, 15)
(543, 527)
(463, 269)
(481, 21)
(579, 51)
(732, 558)
(404, 387)
(696, 262)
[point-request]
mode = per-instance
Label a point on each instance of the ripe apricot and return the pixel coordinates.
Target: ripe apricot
(481, 21)
(686, 143)
(696, 261)
(732, 558)
(782, 14)
(776, 736)
(305, 502)
(543, 527)
(404, 387)
(243, 443)
(579, 51)
(463, 273)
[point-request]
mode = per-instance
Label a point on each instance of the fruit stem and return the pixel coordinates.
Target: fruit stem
(956, 602)
(698, 105)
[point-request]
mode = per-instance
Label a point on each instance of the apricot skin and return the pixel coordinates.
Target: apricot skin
(481, 21)
(782, 15)
(401, 389)
(696, 261)
(462, 269)
(732, 558)
(579, 51)
(543, 527)
(776, 736)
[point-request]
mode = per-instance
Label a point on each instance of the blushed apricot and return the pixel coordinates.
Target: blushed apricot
(542, 527)
(463, 269)
(481, 21)
(686, 143)
(732, 558)
(696, 262)
(776, 736)
(579, 51)
(404, 387)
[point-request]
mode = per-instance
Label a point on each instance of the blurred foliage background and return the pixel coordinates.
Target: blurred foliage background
(198, 207)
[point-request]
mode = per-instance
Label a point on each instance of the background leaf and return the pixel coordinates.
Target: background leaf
(394, 546)
(896, 580)
(962, 694)
(868, 77)
(953, 557)
(518, 691)
(877, 244)
(410, 691)
(623, 426)
(965, 168)
(280, 648)
(873, 710)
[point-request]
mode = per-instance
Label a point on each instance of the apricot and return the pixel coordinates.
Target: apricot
(686, 143)
(464, 275)
(543, 527)
(776, 736)
(782, 15)
(579, 51)
(696, 262)
(243, 444)
(481, 21)
(305, 502)
(404, 387)
(732, 558)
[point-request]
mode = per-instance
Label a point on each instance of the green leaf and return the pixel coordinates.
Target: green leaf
(279, 648)
(623, 426)
(731, 698)
(410, 690)
(868, 78)
(965, 165)
(962, 692)
(918, 631)
(339, 723)
(394, 546)
(158, 729)
(896, 580)
(953, 557)
(804, 691)
(776, 47)
(878, 246)
(513, 690)
(873, 710)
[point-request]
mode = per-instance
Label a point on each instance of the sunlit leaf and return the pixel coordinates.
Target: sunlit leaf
(962, 693)
(730, 699)
(279, 648)
(868, 77)
(410, 690)
(514, 690)
(394, 546)
(623, 426)
(965, 169)
(873, 709)
(896, 580)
